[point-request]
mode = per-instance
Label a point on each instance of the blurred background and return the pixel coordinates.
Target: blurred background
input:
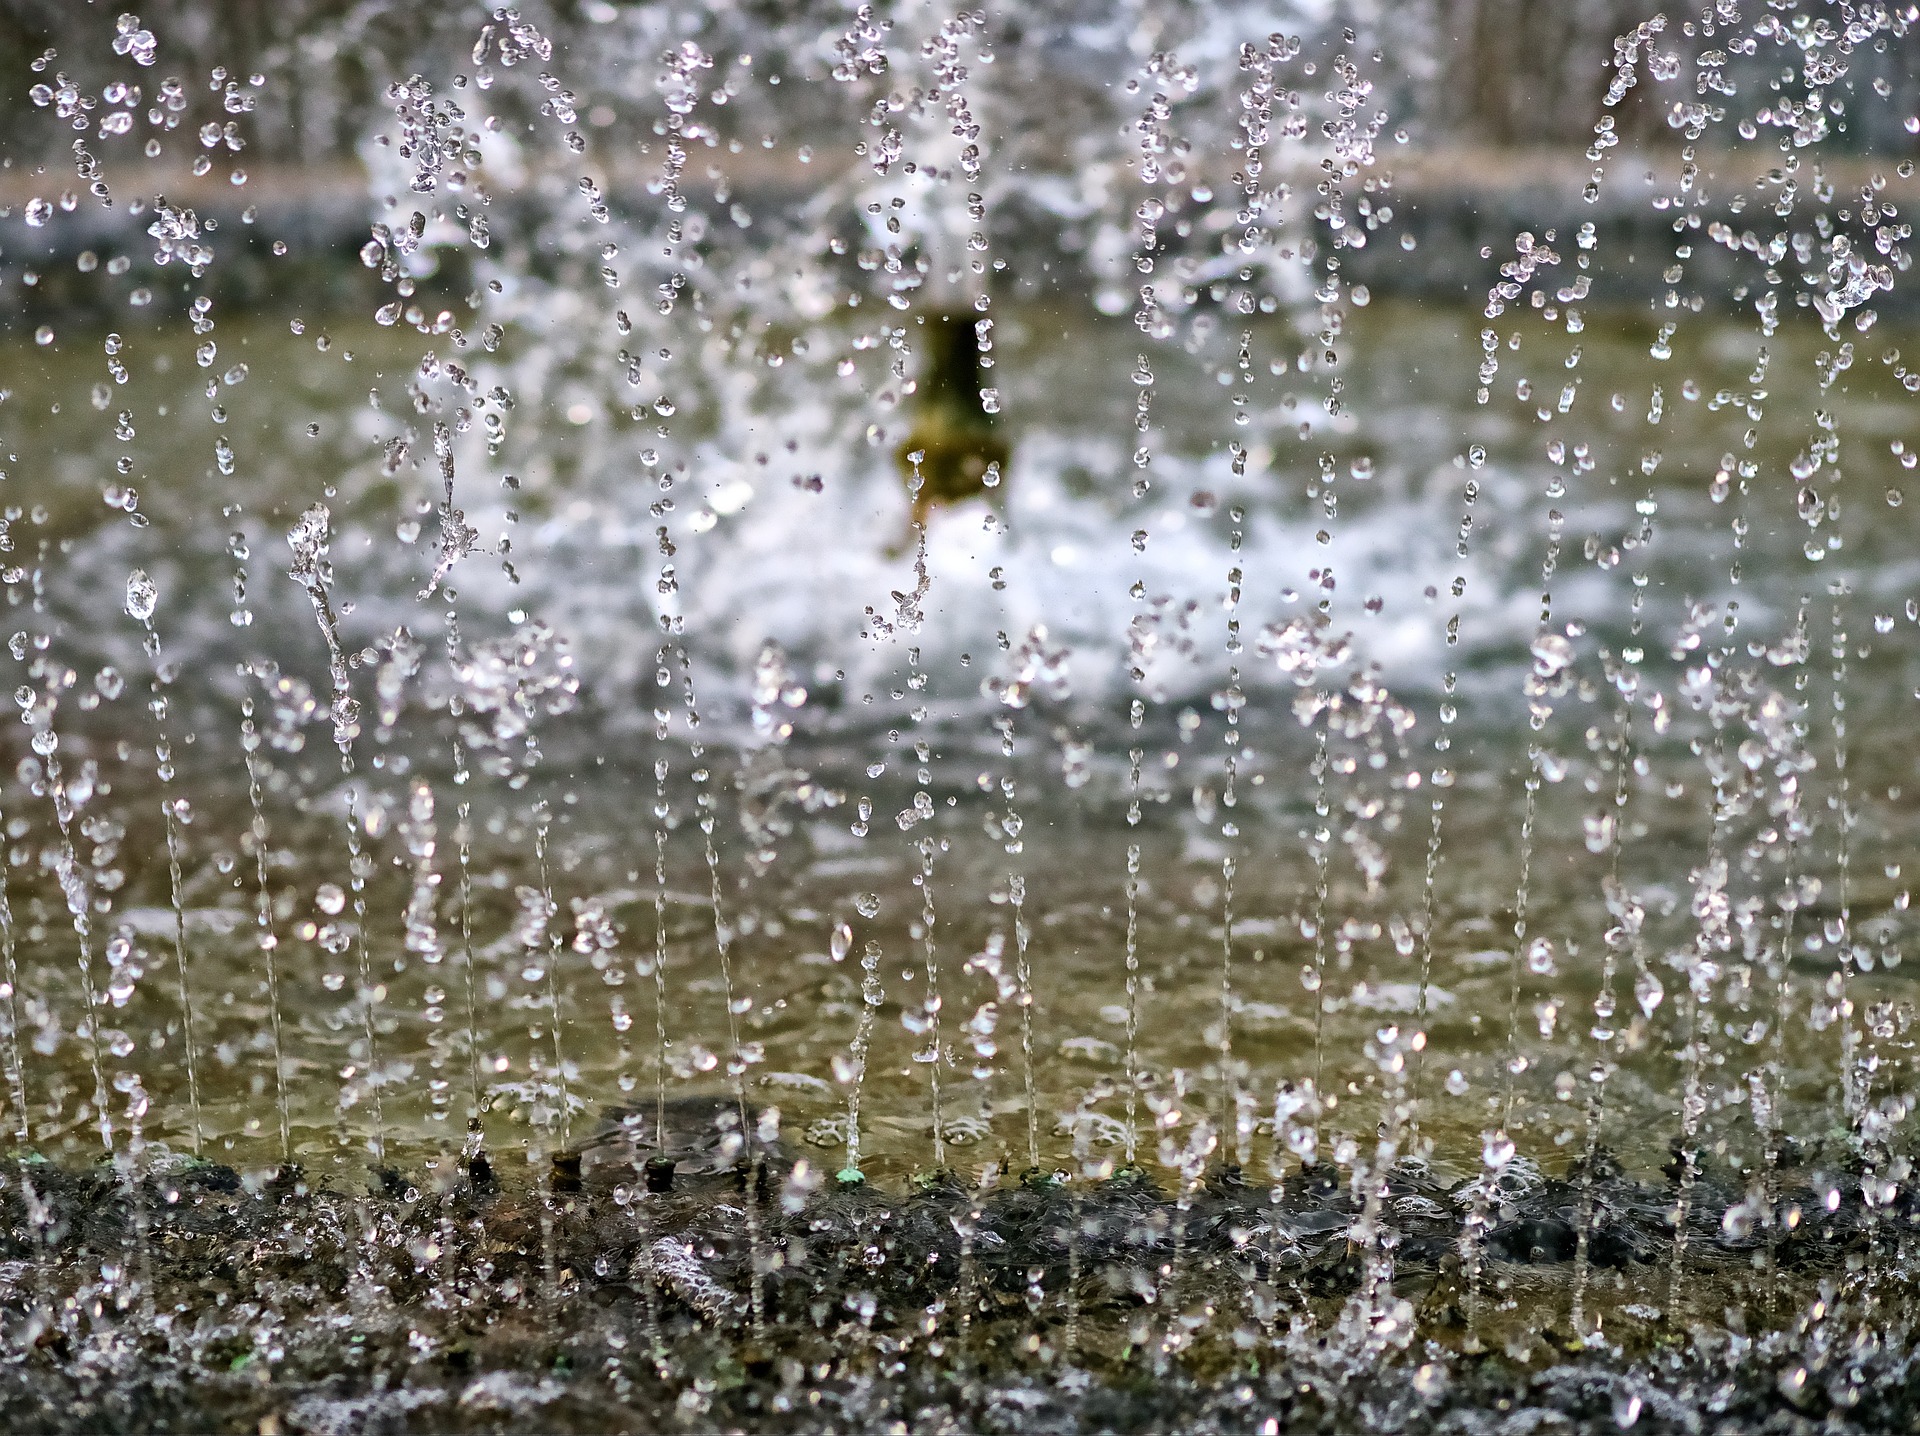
(1520, 74)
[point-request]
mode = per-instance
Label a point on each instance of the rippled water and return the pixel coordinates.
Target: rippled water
(790, 564)
(1158, 765)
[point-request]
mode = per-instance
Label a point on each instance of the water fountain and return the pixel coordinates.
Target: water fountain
(884, 718)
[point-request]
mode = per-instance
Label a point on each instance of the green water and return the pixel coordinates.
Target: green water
(582, 550)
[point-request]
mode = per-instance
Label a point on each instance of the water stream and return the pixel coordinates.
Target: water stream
(793, 805)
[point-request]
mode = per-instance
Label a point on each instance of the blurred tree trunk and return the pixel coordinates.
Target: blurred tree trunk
(1535, 72)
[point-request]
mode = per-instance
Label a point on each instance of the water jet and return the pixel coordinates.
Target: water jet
(1363, 886)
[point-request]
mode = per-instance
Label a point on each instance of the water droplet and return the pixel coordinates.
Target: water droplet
(1540, 957)
(1496, 1149)
(142, 596)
